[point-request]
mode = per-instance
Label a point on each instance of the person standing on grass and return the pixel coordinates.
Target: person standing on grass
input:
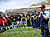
(11, 18)
(23, 20)
(32, 18)
(38, 19)
(16, 16)
(35, 19)
(19, 20)
(9, 21)
(6, 22)
(14, 21)
(44, 18)
(28, 19)
(1, 22)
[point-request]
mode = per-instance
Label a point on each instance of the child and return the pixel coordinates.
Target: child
(28, 19)
(19, 20)
(32, 18)
(14, 20)
(9, 22)
(35, 19)
(23, 19)
(1, 22)
(6, 22)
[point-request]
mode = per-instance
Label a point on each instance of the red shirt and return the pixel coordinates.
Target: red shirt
(5, 19)
(1, 20)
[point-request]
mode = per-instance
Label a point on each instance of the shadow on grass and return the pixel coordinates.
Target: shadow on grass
(4, 29)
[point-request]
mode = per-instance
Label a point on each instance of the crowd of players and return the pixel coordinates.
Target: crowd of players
(16, 20)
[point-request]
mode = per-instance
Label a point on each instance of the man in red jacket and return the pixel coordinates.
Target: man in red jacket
(1, 22)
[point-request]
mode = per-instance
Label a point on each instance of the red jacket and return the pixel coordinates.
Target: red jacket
(5, 19)
(1, 20)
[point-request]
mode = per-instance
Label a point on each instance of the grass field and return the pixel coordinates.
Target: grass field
(23, 32)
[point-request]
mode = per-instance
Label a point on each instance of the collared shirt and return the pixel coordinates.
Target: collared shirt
(42, 19)
(47, 14)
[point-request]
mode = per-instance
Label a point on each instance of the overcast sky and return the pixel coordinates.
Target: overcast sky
(14, 4)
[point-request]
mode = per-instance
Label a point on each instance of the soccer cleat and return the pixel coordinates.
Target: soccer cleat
(9, 29)
(14, 27)
(1, 28)
(18, 26)
(36, 27)
(6, 29)
(25, 25)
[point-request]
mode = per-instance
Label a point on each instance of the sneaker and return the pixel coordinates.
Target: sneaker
(18, 26)
(14, 27)
(6, 29)
(26, 27)
(9, 29)
(36, 27)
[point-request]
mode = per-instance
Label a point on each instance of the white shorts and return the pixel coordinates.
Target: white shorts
(18, 22)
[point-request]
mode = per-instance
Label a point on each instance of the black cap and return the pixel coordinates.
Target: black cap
(43, 6)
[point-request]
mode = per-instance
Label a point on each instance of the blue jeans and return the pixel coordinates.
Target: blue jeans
(28, 22)
(32, 20)
(35, 23)
(14, 23)
(38, 23)
(44, 27)
(0, 24)
(6, 24)
(23, 22)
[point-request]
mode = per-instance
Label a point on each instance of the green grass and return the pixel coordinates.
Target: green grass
(23, 32)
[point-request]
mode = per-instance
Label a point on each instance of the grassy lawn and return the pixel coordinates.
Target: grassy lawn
(23, 32)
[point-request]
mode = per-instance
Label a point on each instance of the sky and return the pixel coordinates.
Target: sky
(15, 4)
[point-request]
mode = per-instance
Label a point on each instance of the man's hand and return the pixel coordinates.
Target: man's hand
(41, 13)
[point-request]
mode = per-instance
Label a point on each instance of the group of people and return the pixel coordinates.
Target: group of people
(37, 19)
(16, 19)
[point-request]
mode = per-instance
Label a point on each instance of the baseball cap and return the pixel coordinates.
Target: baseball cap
(32, 12)
(43, 6)
(39, 11)
(35, 10)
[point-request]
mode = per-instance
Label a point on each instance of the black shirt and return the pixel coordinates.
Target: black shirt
(11, 18)
(23, 16)
(18, 18)
(14, 19)
(32, 15)
(28, 15)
